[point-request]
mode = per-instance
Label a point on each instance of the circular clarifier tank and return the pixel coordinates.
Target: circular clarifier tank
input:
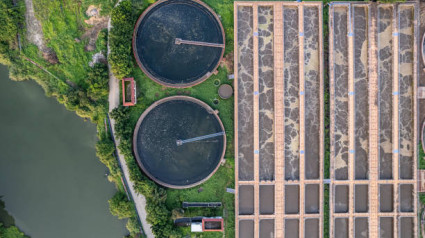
(178, 43)
(179, 142)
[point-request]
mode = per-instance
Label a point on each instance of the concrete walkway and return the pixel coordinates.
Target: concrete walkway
(114, 101)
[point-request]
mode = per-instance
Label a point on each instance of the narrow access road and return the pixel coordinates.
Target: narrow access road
(114, 101)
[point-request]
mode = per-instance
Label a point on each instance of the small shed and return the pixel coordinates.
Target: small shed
(212, 224)
(196, 227)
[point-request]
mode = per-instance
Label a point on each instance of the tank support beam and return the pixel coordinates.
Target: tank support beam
(179, 41)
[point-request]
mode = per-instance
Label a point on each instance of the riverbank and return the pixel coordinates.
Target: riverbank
(80, 87)
(49, 173)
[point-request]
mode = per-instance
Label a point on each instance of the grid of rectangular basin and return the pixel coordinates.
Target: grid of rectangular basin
(279, 119)
(373, 75)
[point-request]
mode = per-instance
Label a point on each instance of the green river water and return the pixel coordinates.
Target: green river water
(50, 179)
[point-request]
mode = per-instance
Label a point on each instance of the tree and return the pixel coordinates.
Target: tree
(11, 232)
(133, 226)
(98, 80)
(120, 36)
(120, 206)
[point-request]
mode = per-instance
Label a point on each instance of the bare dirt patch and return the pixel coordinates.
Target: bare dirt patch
(97, 23)
(227, 62)
(98, 58)
(35, 34)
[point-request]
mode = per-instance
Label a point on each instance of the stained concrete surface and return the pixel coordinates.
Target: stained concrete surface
(312, 92)
(386, 227)
(341, 228)
(406, 198)
(246, 200)
(341, 199)
(361, 228)
(291, 92)
(292, 228)
(385, 75)
(266, 91)
(246, 228)
(245, 90)
(407, 226)
(361, 98)
(361, 193)
(267, 228)
(386, 198)
(266, 199)
(312, 229)
(406, 123)
(292, 199)
(340, 89)
(312, 198)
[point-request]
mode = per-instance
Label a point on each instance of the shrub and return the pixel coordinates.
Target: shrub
(120, 37)
(120, 206)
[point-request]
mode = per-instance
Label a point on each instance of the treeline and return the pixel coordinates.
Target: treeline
(119, 205)
(158, 214)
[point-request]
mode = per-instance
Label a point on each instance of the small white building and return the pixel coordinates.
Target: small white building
(196, 227)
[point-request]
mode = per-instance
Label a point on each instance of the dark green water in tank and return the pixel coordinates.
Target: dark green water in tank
(173, 164)
(50, 179)
(172, 63)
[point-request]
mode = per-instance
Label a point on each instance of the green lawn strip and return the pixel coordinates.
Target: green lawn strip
(421, 156)
(326, 212)
(420, 210)
(214, 190)
(327, 118)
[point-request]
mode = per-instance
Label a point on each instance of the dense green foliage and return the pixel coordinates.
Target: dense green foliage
(7, 224)
(421, 156)
(326, 98)
(11, 18)
(97, 80)
(11, 232)
(120, 37)
(157, 213)
(120, 206)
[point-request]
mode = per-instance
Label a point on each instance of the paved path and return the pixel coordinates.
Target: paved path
(114, 101)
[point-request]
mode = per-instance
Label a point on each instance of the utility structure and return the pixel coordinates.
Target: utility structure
(128, 92)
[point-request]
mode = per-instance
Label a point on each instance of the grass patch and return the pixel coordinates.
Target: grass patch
(62, 22)
(212, 191)
(421, 156)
